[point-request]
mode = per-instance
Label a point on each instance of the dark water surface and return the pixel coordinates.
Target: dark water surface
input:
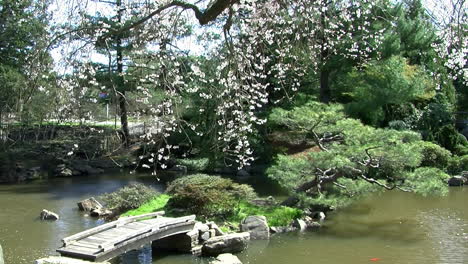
(392, 227)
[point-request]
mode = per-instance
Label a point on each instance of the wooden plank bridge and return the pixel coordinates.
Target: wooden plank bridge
(115, 238)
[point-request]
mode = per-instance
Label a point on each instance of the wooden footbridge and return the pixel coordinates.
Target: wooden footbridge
(115, 238)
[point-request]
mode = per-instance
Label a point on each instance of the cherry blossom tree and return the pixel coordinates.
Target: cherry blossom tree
(268, 47)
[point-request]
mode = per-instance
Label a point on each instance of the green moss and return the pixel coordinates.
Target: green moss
(158, 203)
(275, 215)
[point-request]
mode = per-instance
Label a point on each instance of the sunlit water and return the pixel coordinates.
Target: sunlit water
(392, 227)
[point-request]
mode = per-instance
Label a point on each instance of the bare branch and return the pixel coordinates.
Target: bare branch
(374, 181)
(204, 17)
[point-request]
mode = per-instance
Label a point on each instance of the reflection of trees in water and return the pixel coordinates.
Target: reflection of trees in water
(448, 233)
(400, 229)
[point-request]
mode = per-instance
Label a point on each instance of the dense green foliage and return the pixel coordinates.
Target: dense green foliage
(208, 196)
(128, 197)
(458, 164)
(391, 95)
(353, 159)
(382, 84)
(434, 155)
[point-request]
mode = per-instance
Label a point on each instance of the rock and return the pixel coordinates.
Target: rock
(49, 215)
(217, 230)
(257, 226)
(230, 243)
(226, 258)
(300, 224)
(1, 256)
(269, 201)
(457, 181)
(64, 260)
(89, 205)
(100, 212)
(204, 236)
(314, 225)
(83, 167)
(282, 229)
(243, 174)
(33, 173)
(201, 227)
(197, 250)
(63, 171)
(318, 216)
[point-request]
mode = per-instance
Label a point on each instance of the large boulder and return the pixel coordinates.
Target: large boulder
(49, 215)
(257, 226)
(64, 260)
(230, 243)
(457, 181)
(89, 205)
(226, 258)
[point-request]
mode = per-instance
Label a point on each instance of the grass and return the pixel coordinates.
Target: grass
(156, 204)
(275, 215)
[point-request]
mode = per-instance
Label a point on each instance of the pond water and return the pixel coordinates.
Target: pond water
(391, 227)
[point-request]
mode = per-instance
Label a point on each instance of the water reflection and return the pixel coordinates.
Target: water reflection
(447, 231)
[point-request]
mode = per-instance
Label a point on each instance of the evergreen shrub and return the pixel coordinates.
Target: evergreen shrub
(208, 196)
(129, 197)
(458, 164)
(434, 155)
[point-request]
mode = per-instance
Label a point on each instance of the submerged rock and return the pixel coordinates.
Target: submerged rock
(64, 260)
(49, 215)
(226, 258)
(230, 243)
(257, 226)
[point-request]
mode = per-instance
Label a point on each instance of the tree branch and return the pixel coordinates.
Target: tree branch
(204, 17)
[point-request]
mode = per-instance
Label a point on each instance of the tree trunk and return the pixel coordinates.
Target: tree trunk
(324, 71)
(121, 86)
(325, 93)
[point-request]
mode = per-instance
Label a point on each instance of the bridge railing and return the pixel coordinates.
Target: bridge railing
(148, 229)
(122, 221)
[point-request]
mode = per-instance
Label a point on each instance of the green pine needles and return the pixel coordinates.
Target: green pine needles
(350, 159)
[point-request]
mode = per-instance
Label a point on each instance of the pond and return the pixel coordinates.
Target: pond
(391, 227)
